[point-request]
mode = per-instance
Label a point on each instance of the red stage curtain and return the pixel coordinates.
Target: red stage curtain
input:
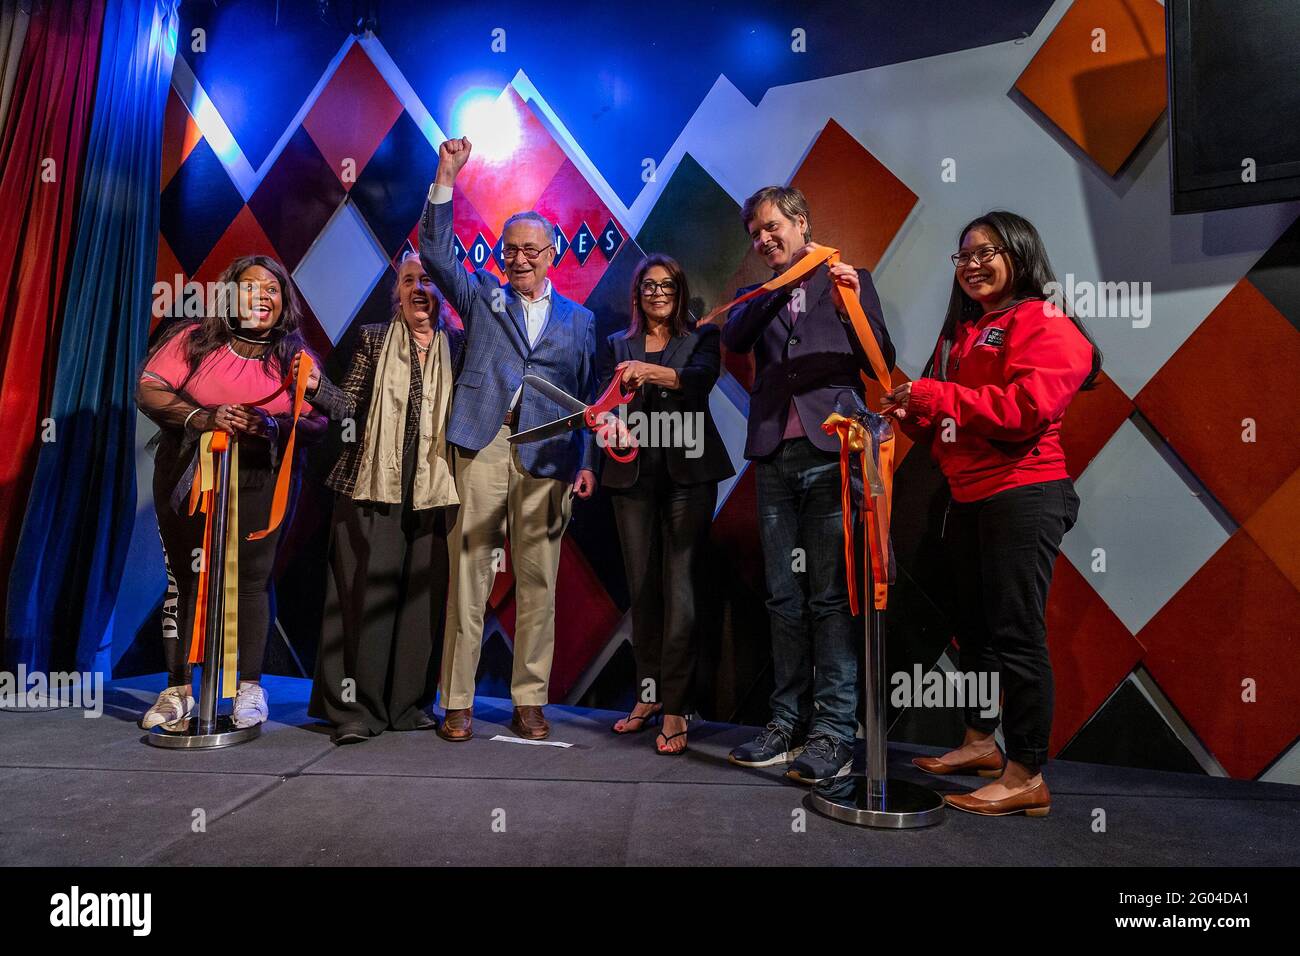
(41, 149)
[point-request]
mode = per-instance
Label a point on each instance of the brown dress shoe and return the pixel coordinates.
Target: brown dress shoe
(530, 723)
(1034, 802)
(986, 765)
(458, 725)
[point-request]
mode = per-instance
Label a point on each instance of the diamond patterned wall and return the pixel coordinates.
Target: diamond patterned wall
(1200, 529)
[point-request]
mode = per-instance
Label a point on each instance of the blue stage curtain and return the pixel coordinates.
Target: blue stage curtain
(81, 509)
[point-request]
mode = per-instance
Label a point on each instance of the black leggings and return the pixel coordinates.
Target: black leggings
(1002, 550)
(182, 536)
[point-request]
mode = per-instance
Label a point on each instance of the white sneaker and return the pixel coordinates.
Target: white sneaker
(173, 704)
(250, 705)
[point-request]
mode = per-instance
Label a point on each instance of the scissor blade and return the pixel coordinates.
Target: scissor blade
(558, 427)
(555, 394)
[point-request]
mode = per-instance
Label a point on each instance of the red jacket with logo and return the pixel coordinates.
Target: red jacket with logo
(995, 423)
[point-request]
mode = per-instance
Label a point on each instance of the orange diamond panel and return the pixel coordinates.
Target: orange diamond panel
(1100, 76)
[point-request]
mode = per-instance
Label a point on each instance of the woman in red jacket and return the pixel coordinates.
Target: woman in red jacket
(989, 405)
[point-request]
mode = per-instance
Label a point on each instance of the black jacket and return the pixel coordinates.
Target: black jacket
(697, 359)
(808, 363)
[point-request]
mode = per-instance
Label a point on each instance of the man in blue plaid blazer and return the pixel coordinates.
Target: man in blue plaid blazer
(522, 327)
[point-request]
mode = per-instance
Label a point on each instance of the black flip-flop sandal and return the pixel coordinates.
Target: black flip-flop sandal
(667, 738)
(648, 718)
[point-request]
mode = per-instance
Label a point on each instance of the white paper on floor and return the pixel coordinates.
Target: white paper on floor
(539, 743)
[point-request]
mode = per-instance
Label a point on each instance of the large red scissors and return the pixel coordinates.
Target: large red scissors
(616, 440)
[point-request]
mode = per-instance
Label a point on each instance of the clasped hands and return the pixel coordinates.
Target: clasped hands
(243, 419)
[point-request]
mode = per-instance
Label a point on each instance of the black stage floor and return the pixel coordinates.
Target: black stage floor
(89, 791)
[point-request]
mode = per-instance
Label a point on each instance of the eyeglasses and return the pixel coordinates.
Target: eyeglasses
(531, 253)
(668, 287)
(983, 255)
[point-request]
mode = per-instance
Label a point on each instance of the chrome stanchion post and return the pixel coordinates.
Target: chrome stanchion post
(875, 730)
(873, 800)
(209, 730)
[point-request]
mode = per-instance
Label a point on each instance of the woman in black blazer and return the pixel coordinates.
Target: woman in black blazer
(665, 497)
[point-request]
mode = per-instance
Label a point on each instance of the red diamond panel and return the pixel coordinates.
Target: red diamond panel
(1104, 100)
(1235, 619)
(180, 136)
(569, 202)
(506, 175)
(243, 237)
(585, 617)
(857, 204)
(1240, 363)
(752, 270)
(735, 532)
(168, 271)
(1090, 421)
(352, 115)
(1091, 651)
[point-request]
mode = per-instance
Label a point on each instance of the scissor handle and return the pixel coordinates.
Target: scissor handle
(607, 434)
(613, 397)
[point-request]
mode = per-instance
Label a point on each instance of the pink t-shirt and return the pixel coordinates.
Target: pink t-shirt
(222, 378)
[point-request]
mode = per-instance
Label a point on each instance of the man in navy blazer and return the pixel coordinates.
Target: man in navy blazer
(522, 327)
(805, 353)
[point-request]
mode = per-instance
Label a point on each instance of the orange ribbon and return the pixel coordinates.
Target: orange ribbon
(877, 487)
(280, 500)
(853, 437)
(203, 499)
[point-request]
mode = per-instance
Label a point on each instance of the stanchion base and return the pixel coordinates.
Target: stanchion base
(906, 805)
(183, 736)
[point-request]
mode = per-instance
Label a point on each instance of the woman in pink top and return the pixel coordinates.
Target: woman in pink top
(201, 377)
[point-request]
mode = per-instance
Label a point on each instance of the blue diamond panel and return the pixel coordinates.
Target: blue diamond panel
(391, 190)
(584, 242)
(478, 252)
(610, 240)
(296, 198)
(561, 244)
(197, 206)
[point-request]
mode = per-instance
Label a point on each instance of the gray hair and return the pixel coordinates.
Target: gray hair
(531, 216)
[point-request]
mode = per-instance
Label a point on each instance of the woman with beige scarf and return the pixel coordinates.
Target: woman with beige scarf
(376, 669)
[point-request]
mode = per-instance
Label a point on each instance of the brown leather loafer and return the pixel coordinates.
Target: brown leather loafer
(1034, 802)
(986, 765)
(458, 725)
(530, 723)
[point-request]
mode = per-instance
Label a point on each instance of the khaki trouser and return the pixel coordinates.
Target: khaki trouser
(499, 499)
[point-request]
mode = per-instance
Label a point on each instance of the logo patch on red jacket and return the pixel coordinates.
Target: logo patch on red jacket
(993, 337)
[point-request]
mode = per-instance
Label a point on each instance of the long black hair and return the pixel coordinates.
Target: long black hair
(218, 326)
(1031, 276)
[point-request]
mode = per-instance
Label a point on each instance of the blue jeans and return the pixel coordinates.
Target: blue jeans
(814, 654)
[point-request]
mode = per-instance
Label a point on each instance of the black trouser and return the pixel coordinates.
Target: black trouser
(664, 531)
(1002, 549)
(182, 535)
(387, 593)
